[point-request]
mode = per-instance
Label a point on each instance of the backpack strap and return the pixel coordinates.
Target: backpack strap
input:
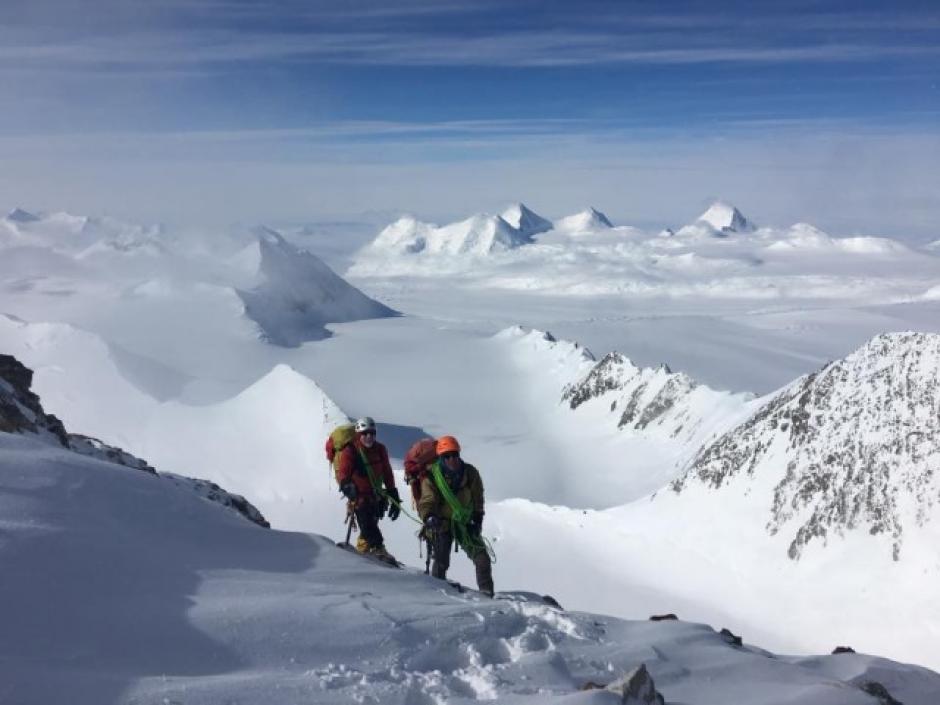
(364, 462)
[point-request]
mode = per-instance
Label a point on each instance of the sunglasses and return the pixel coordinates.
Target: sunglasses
(448, 456)
(368, 433)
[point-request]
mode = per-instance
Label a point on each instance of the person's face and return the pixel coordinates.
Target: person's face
(368, 438)
(451, 460)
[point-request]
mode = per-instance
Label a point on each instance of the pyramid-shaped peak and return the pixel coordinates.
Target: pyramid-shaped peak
(724, 217)
(586, 221)
(525, 220)
(18, 215)
(598, 217)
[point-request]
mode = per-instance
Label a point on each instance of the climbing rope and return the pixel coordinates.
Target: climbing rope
(460, 519)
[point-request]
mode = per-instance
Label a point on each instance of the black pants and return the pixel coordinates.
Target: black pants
(368, 521)
(443, 543)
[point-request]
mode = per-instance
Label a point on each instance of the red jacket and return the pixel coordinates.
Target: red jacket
(350, 466)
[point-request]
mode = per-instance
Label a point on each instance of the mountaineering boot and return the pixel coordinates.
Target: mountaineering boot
(382, 554)
(362, 546)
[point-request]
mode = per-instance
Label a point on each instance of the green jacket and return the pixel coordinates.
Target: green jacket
(470, 494)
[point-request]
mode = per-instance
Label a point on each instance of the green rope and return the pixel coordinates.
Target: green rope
(460, 518)
(380, 491)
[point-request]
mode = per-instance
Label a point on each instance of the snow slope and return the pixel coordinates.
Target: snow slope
(846, 450)
(607, 410)
(265, 443)
(171, 353)
(298, 295)
(125, 588)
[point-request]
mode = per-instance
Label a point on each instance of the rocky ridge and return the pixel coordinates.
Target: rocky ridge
(21, 412)
(654, 400)
(851, 446)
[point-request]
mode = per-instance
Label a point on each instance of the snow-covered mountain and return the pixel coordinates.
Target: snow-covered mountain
(298, 295)
(587, 221)
(526, 221)
(849, 450)
(598, 411)
(719, 220)
(653, 401)
(479, 234)
(123, 587)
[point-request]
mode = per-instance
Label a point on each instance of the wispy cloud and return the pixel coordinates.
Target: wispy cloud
(545, 48)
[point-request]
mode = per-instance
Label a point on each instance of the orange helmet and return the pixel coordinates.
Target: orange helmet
(447, 444)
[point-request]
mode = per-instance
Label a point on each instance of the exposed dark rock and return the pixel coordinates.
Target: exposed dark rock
(605, 376)
(676, 388)
(591, 685)
(21, 412)
(843, 650)
(663, 617)
(859, 441)
(549, 600)
(214, 493)
(876, 690)
(731, 637)
(637, 688)
(20, 409)
(85, 445)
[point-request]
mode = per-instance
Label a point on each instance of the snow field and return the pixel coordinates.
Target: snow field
(135, 609)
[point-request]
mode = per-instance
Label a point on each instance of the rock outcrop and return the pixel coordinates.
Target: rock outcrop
(21, 412)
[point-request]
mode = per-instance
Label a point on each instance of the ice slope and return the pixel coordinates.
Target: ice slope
(123, 588)
(297, 295)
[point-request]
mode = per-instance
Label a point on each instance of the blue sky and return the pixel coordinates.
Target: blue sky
(647, 108)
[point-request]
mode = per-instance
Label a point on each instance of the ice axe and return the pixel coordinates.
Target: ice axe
(429, 545)
(350, 520)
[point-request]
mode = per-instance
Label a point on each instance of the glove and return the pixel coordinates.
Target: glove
(475, 527)
(349, 489)
(394, 511)
(381, 506)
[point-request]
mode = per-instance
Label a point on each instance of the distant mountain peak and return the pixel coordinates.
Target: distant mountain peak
(725, 218)
(588, 220)
(525, 220)
(298, 294)
(18, 215)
